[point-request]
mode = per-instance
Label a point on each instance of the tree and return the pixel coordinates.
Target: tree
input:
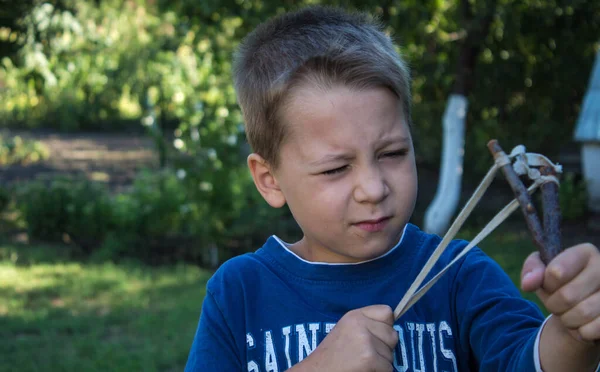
(443, 206)
(110, 64)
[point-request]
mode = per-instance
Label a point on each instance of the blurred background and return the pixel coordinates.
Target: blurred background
(123, 181)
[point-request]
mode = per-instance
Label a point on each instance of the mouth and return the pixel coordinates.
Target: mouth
(373, 225)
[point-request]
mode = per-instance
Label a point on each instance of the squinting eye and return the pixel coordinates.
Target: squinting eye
(335, 171)
(393, 154)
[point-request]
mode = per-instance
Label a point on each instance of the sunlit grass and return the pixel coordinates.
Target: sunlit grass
(71, 316)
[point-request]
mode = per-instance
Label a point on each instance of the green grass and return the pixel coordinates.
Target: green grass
(59, 314)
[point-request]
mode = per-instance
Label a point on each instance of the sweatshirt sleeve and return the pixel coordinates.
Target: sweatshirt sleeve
(496, 323)
(213, 348)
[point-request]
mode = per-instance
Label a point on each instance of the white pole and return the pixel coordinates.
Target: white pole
(442, 208)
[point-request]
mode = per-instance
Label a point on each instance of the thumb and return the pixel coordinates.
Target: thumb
(532, 275)
(380, 313)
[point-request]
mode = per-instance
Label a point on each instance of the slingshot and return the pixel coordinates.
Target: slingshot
(538, 169)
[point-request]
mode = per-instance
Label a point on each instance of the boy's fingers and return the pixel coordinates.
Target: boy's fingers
(383, 350)
(591, 331)
(381, 365)
(543, 295)
(532, 274)
(380, 313)
(567, 265)
(385, 333)
(576, 292)
(585, 312)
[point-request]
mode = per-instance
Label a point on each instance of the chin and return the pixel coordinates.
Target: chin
(372, 253)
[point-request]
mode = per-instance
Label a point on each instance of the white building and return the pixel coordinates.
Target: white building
(587, 131)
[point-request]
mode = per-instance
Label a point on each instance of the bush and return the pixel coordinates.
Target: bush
(65, 210)
(44, 208)
(573, 197)
(156, 221)
(5, 198)
(16, 150)
(138, 223)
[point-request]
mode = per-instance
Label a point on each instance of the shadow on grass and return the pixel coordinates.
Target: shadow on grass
(57, 314)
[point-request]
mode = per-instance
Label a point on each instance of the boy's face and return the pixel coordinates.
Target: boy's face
(347, 172)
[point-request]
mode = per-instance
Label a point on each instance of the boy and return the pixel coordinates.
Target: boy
(326, 102)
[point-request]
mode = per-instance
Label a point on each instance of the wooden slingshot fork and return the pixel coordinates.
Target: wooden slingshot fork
(543, 173)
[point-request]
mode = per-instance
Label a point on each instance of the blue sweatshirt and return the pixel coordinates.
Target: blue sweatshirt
(268, 310)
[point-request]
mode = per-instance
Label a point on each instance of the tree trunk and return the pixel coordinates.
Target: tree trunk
(443, 207)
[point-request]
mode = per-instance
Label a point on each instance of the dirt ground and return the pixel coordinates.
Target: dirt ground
(115, 159)
(105, 157)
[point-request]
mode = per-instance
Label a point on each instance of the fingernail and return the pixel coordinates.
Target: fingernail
(527, 275)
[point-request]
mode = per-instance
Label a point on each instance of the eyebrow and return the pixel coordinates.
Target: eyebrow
(330, 158)
(393, 140)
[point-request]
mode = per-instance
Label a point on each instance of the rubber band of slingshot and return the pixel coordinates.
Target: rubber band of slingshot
(502, 160)
(491, 226)
(546, 179)
(450, 234)
(412, 296)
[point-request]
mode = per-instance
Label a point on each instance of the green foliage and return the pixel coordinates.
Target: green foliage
(67, 210)
(45, 209)
(16, 150)
(103, 64)
(138, 223)
(156, 221)
(5, 199)
(89, 65)
(156, 205)
(166, 64)
(522, 77)
(573, 197)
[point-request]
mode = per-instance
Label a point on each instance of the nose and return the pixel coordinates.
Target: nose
(371, 185)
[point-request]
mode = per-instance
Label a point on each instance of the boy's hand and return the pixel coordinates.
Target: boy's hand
(363, 340)
(569, 288)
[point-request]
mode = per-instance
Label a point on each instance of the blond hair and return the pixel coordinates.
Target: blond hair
(318, 45)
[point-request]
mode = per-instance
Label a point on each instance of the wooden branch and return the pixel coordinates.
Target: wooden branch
(520, 191)
(551, 207)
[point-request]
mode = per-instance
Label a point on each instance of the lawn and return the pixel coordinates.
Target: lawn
(59, 314)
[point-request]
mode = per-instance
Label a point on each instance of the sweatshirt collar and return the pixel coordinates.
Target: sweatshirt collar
(395, 259)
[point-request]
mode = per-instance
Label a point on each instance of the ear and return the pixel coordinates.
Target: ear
(265, 181)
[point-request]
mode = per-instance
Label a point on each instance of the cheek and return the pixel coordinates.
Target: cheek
(334, 199)
(405, 181)
(413, 191)
(322, 200)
